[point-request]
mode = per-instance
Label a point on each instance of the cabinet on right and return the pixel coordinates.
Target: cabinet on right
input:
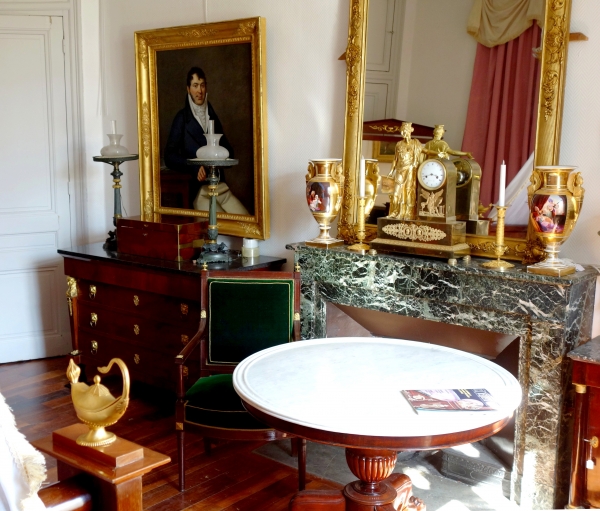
(585, 462)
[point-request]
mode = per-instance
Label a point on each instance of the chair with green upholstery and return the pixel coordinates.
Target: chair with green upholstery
(241, 313)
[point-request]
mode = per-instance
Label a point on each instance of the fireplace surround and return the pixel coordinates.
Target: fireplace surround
(550, 315)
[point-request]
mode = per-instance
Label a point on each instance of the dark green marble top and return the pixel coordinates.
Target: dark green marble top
(474, 267)
(95, 251)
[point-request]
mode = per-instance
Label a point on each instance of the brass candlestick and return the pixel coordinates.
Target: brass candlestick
(360, 232)
(499, 264)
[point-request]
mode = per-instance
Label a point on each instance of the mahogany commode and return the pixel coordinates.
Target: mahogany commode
(140, 309)
(346, 392)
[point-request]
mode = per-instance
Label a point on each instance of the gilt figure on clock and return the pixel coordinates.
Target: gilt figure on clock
(432, 228)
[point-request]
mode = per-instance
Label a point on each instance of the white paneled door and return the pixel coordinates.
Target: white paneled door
(34, 188)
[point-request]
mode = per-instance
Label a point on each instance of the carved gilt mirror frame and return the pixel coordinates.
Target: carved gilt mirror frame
(555, 40)
(232, 55)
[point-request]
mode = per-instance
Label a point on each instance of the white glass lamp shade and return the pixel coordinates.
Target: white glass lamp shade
(212, 150)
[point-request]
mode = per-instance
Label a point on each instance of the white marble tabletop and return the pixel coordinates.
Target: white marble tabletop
(353, 386)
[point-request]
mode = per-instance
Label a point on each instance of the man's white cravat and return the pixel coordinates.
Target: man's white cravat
(200, 112)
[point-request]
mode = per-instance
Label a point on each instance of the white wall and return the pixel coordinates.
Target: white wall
(305, 91)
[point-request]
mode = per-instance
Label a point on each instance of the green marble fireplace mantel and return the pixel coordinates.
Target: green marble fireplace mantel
(550, 315)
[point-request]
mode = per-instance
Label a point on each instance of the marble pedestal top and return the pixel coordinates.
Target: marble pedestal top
(353, 386)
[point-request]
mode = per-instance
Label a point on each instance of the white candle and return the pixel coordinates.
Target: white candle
(211, 126)
(502, 190)
(114, 127)
(361, 178)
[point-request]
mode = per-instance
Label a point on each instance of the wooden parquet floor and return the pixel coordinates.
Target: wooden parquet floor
(232, 478)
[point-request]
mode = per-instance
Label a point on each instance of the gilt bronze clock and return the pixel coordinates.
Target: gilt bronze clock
(436, 190)
(434, 229)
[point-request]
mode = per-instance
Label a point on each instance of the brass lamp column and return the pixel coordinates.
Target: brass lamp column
(115, 161)
(211, 251)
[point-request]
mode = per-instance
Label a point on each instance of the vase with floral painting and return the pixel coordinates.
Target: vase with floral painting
(555, 199)
(324, 184)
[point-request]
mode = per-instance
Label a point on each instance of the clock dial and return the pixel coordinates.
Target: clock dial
(432, 174)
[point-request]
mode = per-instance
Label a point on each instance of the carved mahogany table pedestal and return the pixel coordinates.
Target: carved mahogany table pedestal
(113, 472)
(347, 392)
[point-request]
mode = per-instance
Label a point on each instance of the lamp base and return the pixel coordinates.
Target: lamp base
(111, 242)
(214, 257)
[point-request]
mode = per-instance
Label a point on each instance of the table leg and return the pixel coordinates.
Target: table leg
(376, 490)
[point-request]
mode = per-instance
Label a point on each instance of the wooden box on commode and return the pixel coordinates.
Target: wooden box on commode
(174, 238)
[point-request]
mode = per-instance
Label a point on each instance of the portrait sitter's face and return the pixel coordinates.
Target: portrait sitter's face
(197, 90)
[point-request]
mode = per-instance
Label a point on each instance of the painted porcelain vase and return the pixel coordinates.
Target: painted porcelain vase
(324, 184)
(555, 199)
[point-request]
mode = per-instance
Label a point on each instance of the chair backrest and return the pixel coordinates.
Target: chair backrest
(247, 312)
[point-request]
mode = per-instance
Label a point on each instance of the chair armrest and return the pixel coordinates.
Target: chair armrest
(189, 347)
(296, 333)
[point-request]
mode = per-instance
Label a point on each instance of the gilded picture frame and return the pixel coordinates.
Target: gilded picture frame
(549, 122)
(232, 57)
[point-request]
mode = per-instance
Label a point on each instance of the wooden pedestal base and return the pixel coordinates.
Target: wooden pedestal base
(113, 472)
(376, 490)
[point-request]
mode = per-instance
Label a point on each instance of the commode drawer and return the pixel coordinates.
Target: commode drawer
(140, 302)
(137, 329)
(144, 364)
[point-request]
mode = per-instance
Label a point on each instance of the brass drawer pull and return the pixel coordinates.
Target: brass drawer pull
(136, 358)
(92, 291)
(136, 300)
(94, 347)
(184, 339)
(136, 329)
(186, 371)
(93, 319)
(184, 309)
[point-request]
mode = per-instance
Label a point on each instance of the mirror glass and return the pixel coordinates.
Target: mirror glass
(419, 68)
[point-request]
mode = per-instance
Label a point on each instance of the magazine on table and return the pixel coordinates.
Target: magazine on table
(450, 400)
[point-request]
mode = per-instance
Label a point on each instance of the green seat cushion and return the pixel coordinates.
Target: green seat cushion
(212, 401)
(246, 316)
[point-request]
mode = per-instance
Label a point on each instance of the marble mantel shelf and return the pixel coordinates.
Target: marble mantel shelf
(551, 316)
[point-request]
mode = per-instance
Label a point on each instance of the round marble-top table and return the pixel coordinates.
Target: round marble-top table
(347, 392)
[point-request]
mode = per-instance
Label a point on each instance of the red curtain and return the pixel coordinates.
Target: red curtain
(501, 119)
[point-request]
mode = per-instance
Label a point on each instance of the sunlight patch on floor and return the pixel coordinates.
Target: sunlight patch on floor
(453, 505)
(417, 478)
(494, 498)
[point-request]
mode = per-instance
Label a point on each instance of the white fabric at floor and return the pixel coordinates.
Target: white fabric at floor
(22, 468)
